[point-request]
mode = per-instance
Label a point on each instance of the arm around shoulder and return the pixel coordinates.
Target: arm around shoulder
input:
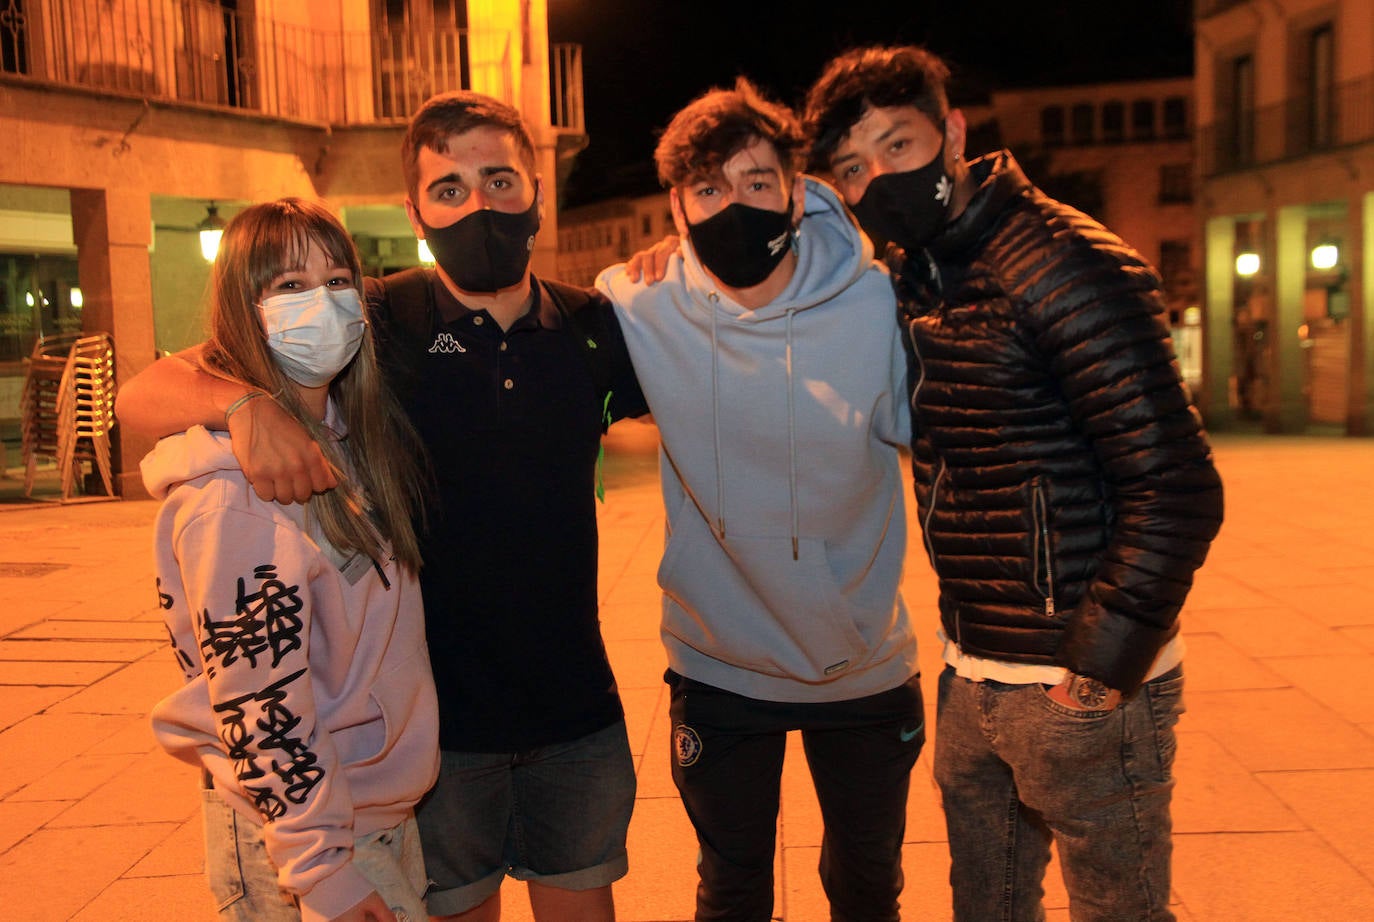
(279, 457)
(175, 393)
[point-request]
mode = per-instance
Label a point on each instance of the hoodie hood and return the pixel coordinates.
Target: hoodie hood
(199, 451)
(780, 430)
(186, 456)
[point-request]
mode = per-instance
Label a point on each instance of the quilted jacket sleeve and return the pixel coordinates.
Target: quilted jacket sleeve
(1094, 310)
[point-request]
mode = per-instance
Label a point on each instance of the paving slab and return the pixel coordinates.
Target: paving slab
(1278, 729)
(181, 854)
(74, 779)
(661, 884)
(33, 748)
(15, 672)
(1215, 588)
(1361, 636)
(1332, 604)
(641, 715)
(19, 819)
(17, 613)
(1268, 631)
(151, 788)
(1268, 877)
(87, 629)
(151, 899)
(1341, 682)
(19, 702)
(1213, 664)
(54, 873)
(1336, 805)
(76, 651)
(134, 737)
(131, 690)
(639, 663)
(1216, 793)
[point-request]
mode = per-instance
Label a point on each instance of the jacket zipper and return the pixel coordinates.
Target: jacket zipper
(939, 474)
(930, 547)
(1043, 550)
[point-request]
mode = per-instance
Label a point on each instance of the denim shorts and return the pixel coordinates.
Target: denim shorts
(243, 880)
(556, 815)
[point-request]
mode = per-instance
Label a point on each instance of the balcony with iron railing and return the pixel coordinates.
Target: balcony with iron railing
(1294, 128)
(198, 52)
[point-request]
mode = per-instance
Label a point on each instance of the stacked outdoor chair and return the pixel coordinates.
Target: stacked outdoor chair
(68, 409)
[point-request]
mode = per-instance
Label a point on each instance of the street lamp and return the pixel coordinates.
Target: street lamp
(211, 229)
(1325, 256)
(1247, 264)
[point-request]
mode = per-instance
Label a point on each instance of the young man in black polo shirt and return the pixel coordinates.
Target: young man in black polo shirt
(497, 373)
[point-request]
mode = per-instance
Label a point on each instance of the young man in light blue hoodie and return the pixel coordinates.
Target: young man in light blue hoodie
(771, 360)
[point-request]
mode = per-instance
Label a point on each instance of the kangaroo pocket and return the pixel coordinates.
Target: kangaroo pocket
(395, 698)
(747, 603)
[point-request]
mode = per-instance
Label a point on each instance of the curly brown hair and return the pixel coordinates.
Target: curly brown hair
(719, 124)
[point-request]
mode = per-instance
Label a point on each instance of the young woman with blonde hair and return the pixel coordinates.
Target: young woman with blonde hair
(308, 699)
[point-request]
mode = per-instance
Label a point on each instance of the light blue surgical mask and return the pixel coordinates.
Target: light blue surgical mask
(313, 334)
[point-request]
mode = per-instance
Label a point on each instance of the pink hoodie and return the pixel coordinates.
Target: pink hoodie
(308, 690)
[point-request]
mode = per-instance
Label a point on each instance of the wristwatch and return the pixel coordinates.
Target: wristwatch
(1088, 693)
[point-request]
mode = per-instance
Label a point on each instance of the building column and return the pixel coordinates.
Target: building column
(1359, 407)
(112, 229)
(497, 42)
(1286, 233)
(509, 44)
(1218, 322)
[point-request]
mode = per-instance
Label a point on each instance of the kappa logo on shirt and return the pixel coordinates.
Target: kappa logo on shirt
(445, 342)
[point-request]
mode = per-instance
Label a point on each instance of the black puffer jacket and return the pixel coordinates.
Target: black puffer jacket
(1064, 482)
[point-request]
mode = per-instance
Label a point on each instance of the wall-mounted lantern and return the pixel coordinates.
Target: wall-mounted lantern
(211, 230)
(1247, 264)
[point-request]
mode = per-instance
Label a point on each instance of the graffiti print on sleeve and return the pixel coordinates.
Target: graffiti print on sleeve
(283, 781)
(188, 666)
(268, 618)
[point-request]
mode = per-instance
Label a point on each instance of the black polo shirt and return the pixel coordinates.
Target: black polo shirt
(512, 421)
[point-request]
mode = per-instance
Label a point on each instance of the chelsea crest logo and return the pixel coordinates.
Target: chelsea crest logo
(686, 745)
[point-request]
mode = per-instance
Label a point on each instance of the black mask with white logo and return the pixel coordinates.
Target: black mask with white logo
(742, 245)
(487, 250)
(908, 209)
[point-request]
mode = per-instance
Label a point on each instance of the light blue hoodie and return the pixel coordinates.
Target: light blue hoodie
(779, 458)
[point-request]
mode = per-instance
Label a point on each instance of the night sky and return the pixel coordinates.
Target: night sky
(644, 59)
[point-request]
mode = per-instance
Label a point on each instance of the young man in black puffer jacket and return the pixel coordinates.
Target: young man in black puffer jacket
(1065, 487)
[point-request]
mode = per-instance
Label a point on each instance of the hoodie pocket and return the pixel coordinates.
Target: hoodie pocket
(745, 601)
(400, 697)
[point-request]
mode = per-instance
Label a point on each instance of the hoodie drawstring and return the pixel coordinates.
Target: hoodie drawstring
(715, 423)
(791, 440)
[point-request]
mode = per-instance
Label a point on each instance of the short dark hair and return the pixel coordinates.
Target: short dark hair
(874, 77)
(720, 123)
(447, 114)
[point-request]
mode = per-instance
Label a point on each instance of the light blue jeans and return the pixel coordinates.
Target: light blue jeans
(243, 879)
(1017, 770)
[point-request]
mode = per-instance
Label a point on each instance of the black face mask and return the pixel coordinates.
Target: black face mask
(487, 250)
(908, 209)
(742, 245)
